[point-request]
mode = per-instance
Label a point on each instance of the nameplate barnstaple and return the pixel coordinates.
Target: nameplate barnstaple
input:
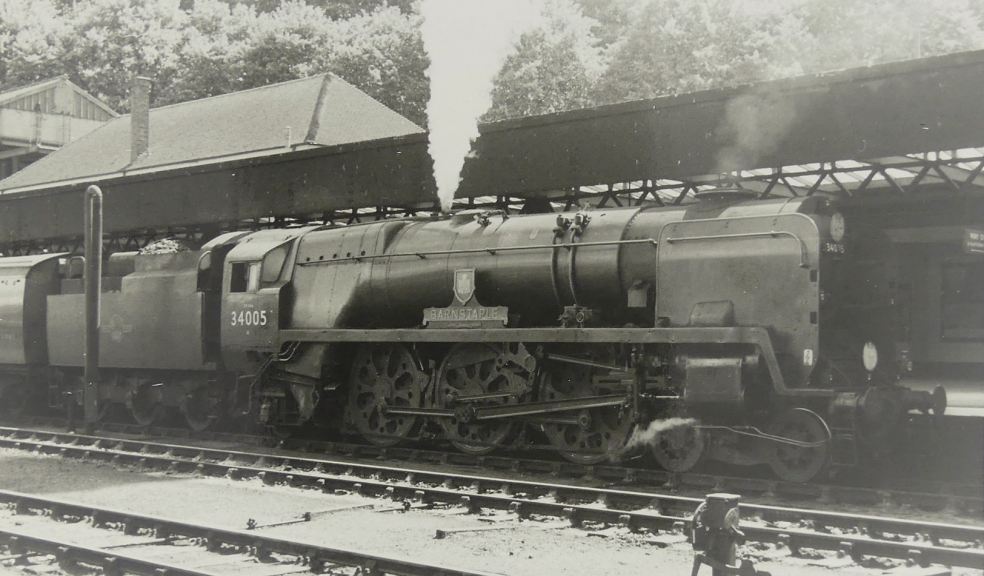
(499, 314)
(465, 310)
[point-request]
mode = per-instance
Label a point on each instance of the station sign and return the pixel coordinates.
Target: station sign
(973, 241)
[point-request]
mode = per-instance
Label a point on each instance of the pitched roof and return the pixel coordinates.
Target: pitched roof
(17, 91)
(9, 95)
(321, 110)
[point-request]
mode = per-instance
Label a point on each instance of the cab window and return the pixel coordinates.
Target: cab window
(273, 265)
(244, 277)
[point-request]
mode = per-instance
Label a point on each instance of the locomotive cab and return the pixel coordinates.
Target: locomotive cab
(254, 274)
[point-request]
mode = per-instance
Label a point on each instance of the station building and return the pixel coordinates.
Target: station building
(40, 118)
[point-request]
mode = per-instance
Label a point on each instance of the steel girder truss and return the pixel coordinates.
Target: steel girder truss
(948, 172)
(931, 174)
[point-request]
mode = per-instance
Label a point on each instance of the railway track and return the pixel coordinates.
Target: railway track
(964, 500)
(797, 529)
(140, 538)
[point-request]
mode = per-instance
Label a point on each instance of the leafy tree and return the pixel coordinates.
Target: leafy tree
(112, 40)
(612, 18)
(335, 9)
(850, 33)
(290, 42)
(585, 52)
(30, 41)
(216, 34)
(677, 46)
(382, 53)
(553, 67)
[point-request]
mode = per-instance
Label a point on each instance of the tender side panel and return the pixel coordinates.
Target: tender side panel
(153, 322)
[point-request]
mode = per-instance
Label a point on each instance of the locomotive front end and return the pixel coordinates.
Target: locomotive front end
(818, 385)
(862, 330)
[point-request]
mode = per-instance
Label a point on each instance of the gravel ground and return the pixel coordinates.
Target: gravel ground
(531, 547)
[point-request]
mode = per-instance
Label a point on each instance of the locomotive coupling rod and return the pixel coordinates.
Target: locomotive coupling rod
(483, 397)
(93, 216)
(582, 362)
(532, 408)
(439, 412)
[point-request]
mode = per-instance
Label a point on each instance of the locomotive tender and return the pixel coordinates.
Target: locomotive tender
(758, 322)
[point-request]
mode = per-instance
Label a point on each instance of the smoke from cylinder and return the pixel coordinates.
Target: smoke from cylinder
(648, 436)
(467, 42)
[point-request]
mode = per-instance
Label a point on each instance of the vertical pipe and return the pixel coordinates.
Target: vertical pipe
(92, 280)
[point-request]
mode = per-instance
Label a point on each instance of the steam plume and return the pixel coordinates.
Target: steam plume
(754, 126)
(647, 436)
(467, 41)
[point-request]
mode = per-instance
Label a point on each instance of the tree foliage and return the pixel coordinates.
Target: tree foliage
(583, 53)
(31, 36)
(194, 49)
(382, 53)
(677, 46)
(553, 67)
(112, 40)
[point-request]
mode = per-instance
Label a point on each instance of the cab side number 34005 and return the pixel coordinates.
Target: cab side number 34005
(249, 318)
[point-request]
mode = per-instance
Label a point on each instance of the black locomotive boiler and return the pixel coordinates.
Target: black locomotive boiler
(755, 325)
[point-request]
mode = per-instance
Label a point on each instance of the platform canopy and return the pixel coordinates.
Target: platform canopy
(903, 134)
(285, 148)
(886, 128)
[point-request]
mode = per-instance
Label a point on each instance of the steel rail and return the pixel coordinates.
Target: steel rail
(958, 499)
(634, 509)
(215, 538)
(111, 561)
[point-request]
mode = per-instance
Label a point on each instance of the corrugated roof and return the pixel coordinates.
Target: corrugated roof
(321, 110)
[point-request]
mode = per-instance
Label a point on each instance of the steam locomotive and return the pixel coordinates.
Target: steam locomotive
(743, 330)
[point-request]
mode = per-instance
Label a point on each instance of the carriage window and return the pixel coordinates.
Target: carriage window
(962, 301)
(244, 277)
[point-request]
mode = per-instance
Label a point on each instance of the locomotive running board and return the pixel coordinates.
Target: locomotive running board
(750, 335)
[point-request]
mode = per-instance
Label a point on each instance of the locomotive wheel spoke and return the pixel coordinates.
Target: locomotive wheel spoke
(797, 463)
(599, 433)
(198, 406)
(143, 401)
(470, 370)
(383, 376)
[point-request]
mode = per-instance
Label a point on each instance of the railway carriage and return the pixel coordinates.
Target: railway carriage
(754, 327)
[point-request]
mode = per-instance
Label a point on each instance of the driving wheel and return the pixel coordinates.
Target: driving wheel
(477, 375)
(383, 376)
(679, 448)
(585, 436)
(143, 400)
(201, 404)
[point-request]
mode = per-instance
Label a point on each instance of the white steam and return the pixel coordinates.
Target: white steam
(755, 126)
(467, 41)
(647, 436)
